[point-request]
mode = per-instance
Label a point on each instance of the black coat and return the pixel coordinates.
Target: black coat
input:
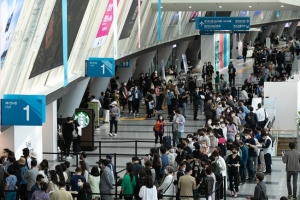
(67, 131)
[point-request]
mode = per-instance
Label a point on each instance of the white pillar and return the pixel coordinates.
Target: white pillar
(164, 54)
(234, 51)
(98, 85)
(279, 30)
(50, 131)
(124, 73)
(30, 137)
(293, 28)
(144, 64)
(72, 99)
(207, 48)
(7, 138)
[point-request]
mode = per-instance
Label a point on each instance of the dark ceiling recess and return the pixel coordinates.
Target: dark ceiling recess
(218, 13)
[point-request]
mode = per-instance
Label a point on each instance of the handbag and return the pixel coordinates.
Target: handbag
(221, 140)
(160, 193)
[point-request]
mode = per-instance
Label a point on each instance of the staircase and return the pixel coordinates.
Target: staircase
(283, 144)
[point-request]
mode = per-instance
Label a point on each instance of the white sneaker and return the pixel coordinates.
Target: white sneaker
(115, 135)
(133, 113)
(110, 134)
(137, 113)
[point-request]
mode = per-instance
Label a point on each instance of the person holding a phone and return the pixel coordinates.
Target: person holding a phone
(251, 144)
(233, 163)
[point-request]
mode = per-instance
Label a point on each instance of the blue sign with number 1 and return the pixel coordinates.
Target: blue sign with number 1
(21, 112)
(100, 67)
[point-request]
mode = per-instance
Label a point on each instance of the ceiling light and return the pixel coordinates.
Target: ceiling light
(220, 6)
(190, 6)
(250, 6)
(282, 6)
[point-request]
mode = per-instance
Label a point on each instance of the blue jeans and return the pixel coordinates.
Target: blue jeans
(243, 172)
(176, 140)
(250, 167)
(10, 196)
(183, 108)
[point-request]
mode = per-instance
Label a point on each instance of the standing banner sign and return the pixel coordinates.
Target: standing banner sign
(65, 40)
(163, 71)
(105, 25)
(185, 64)
(287, 57)
(268, 43)
(95, 107)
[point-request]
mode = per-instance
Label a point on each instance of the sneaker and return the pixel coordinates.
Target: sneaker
(133, 113)
(137, 113)
(294, 198)
(290, 196)
(115, 134)
(110, 134)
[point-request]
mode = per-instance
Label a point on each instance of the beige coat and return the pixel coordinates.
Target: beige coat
(187, 184)
(61, 194)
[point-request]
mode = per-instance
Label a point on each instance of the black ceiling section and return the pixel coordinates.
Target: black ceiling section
(50, 54)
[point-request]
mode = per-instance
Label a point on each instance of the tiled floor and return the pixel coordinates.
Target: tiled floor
(141, 129)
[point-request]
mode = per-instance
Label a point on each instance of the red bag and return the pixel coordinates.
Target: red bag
(221, 140)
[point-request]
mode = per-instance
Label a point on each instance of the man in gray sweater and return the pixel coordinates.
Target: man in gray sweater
(30, 176)
(106, 182)
(114, 115)
(291, 159)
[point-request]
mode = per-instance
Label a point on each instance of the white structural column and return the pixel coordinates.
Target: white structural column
(98, 85)
(266, 33)
(144, 64)
(208, 48)
(7, 138)
(235, 41)
(293, 28)
(72, 99)
(163, 54)
(124, 73)
(181, 49)
(279, 30)
(50, 131)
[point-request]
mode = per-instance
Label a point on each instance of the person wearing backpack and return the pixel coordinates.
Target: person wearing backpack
(260, 191)
(251, 119)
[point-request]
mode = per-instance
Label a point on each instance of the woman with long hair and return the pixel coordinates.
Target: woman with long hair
(53, 182)
(156, 164)
(60, 173)
(159, 129)
(43, 170)
(94, 181)
(148, 191)
(84, 170)
(128, 182)
(26, 155)
(85, 192)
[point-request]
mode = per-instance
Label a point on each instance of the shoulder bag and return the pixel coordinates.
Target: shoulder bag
(160, 193)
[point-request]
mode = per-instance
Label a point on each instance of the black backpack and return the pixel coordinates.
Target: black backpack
(250, 119)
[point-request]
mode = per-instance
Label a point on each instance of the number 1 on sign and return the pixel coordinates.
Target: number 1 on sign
(103, 69)
(27, 112)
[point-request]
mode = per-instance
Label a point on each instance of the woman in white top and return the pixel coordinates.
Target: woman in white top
(85, 173)
(53, 183)
(94, 181)
(245, 96)
(148, 191)
(167, 187)
(43, 170)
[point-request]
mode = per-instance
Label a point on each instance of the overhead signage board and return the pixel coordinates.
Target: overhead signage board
(125, 64)
(28, 111)
(223, 23)
(100, 67)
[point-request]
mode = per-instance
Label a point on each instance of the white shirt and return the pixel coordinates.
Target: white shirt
(148, 193)
(97, 101)
(245, 95)
(260, 115)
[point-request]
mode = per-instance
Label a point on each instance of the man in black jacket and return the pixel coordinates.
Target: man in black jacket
(209, 111)
(251, 119)
(196, 102)
(67, 131)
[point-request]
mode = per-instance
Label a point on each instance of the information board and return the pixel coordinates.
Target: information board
(222, 23)
(100, 67)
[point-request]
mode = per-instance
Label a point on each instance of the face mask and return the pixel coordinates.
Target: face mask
(221, 120)
(190, 139)
(160, 118)
(238, 138)
(228, 111)
(234, 152)
(217, 127)
(183, 169)
(79, 184)
(223, 125)
(247, 137)
(241, 111)
(220, 106)
(209, 122)
(168, 90)
(232, 115)
(173, 151)
(211, 134)
(197, 90)
(124, 84)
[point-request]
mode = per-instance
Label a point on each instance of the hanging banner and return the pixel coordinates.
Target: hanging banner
(179, 26)
(185, 64)
(115, 5)
(105, 25)
(175, 18)
(163, 71)
(139, 22)
(65, 40)
(159, 20)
